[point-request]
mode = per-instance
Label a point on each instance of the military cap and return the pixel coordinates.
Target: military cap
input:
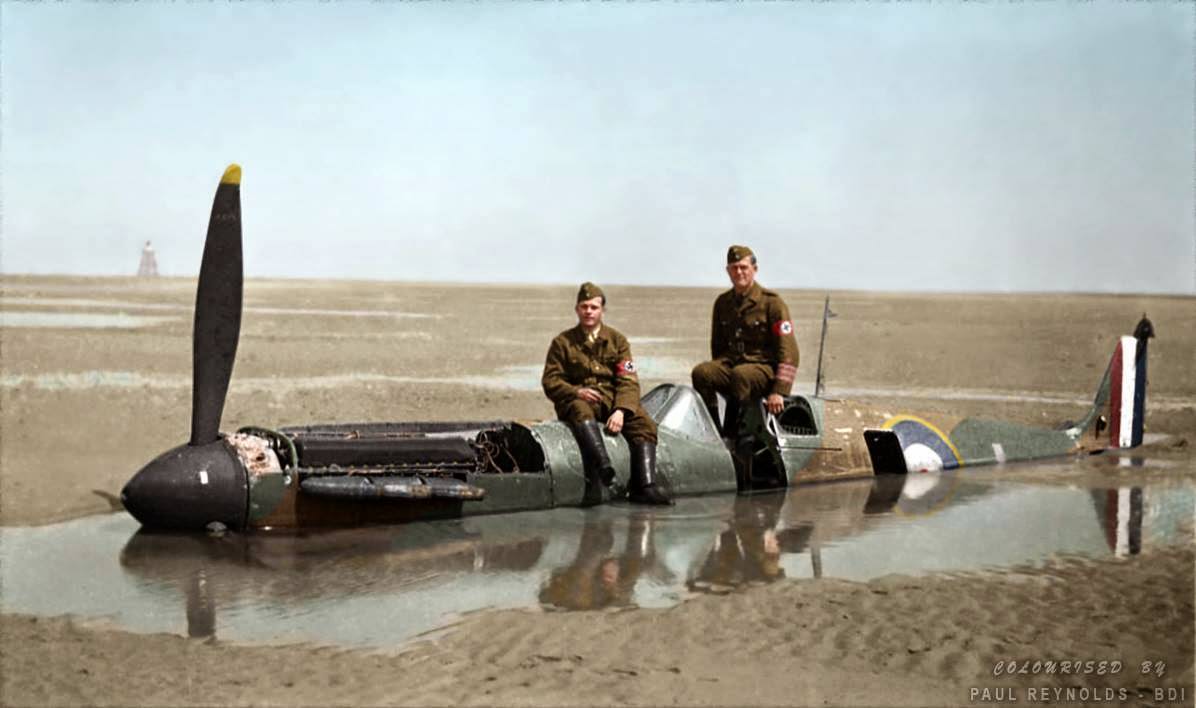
(738, 253)
(589, 291)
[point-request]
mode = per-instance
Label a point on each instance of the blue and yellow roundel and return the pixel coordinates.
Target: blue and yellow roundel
(912, 430)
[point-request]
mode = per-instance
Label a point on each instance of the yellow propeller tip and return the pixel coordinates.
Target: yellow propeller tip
(232, 175)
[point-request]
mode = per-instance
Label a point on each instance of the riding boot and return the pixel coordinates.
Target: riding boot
(713, 410)
(745, 452)
(593, 451)
(643, 488)
(731, 419)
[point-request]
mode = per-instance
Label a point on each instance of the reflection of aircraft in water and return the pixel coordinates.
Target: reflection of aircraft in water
(215, 571)
(562, 559)
(1134, 517)
(598, 563)
(355, 474)
(401, 580)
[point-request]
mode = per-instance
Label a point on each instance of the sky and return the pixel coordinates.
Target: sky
(946, 146)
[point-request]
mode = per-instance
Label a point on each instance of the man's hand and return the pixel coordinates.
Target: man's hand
(615, 422)
(775, 402)
(590, 395)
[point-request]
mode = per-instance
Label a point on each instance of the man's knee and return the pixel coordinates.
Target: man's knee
(576, 411)
(638, 426)
(741, 387)
(748, 382)
(709, 376)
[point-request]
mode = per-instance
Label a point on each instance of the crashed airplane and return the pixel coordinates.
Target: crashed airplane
(347, 474)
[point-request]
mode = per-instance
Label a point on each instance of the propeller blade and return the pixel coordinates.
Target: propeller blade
(217, 310)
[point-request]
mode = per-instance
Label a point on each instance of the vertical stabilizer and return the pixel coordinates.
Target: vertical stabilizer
(1127, 381)
(1119, 410)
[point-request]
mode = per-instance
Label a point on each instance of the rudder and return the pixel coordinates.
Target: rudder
(1127, 382)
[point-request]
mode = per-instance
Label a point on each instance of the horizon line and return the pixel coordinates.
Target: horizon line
(513, 284)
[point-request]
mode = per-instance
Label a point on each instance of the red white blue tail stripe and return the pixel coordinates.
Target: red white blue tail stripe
(1127, 400)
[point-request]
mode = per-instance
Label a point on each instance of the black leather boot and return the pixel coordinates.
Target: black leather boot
(743, 456)
(643, 488)
(593, 451)
(731, 421)
(713, 410)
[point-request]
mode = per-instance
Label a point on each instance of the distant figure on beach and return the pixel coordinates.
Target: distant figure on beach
(149, 262)
(752, 347)
(589, 375)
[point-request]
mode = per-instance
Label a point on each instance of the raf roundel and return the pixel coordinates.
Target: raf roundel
(782, 328)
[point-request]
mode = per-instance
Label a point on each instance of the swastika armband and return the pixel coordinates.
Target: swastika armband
(625, 367)
(782, 328)
(786, 372)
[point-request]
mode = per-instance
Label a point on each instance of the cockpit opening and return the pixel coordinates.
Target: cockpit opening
(680, 409)
(797, 418)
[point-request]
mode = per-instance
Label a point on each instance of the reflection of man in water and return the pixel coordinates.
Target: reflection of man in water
(597, 577)
(749, 551)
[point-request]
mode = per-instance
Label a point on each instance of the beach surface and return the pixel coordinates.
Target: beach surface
(96, 381)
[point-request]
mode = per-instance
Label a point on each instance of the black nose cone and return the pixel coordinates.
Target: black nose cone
(189, 487)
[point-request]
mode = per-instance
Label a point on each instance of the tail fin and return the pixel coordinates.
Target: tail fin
(1121, 398)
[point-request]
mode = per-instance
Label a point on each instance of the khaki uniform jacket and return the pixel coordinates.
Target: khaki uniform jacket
(605, 366)
(755, 329)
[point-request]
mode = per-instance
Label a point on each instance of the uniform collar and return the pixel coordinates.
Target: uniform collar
(581, 333)
(753, 294)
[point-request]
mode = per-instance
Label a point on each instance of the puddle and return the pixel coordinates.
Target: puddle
(523, 377)
(520, 377)
(395, 314)
(90, 302)
(189, 308)
(526, 377)
(955, 394)
(73, 320)
(379, 587)
(512, 378)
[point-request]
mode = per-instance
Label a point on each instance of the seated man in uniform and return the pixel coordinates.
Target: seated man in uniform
(589, 376)
(752, 347)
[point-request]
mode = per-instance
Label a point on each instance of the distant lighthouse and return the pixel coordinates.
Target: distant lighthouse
(149, 262)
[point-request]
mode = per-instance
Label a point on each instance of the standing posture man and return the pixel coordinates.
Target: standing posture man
(752, 347)
(589, 375)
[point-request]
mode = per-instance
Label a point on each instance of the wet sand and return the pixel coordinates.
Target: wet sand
(82, 408)
(893, 641)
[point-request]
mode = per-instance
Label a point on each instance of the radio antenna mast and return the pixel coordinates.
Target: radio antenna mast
(826, 315)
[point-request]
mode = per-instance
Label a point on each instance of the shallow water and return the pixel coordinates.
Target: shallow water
(23, 319)
(381, 586)
(85, 320)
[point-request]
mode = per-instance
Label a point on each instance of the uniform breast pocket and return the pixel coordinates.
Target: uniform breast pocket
(576, 363)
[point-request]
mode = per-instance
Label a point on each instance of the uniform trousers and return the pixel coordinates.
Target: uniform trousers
(741, 382)
(637, 425)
